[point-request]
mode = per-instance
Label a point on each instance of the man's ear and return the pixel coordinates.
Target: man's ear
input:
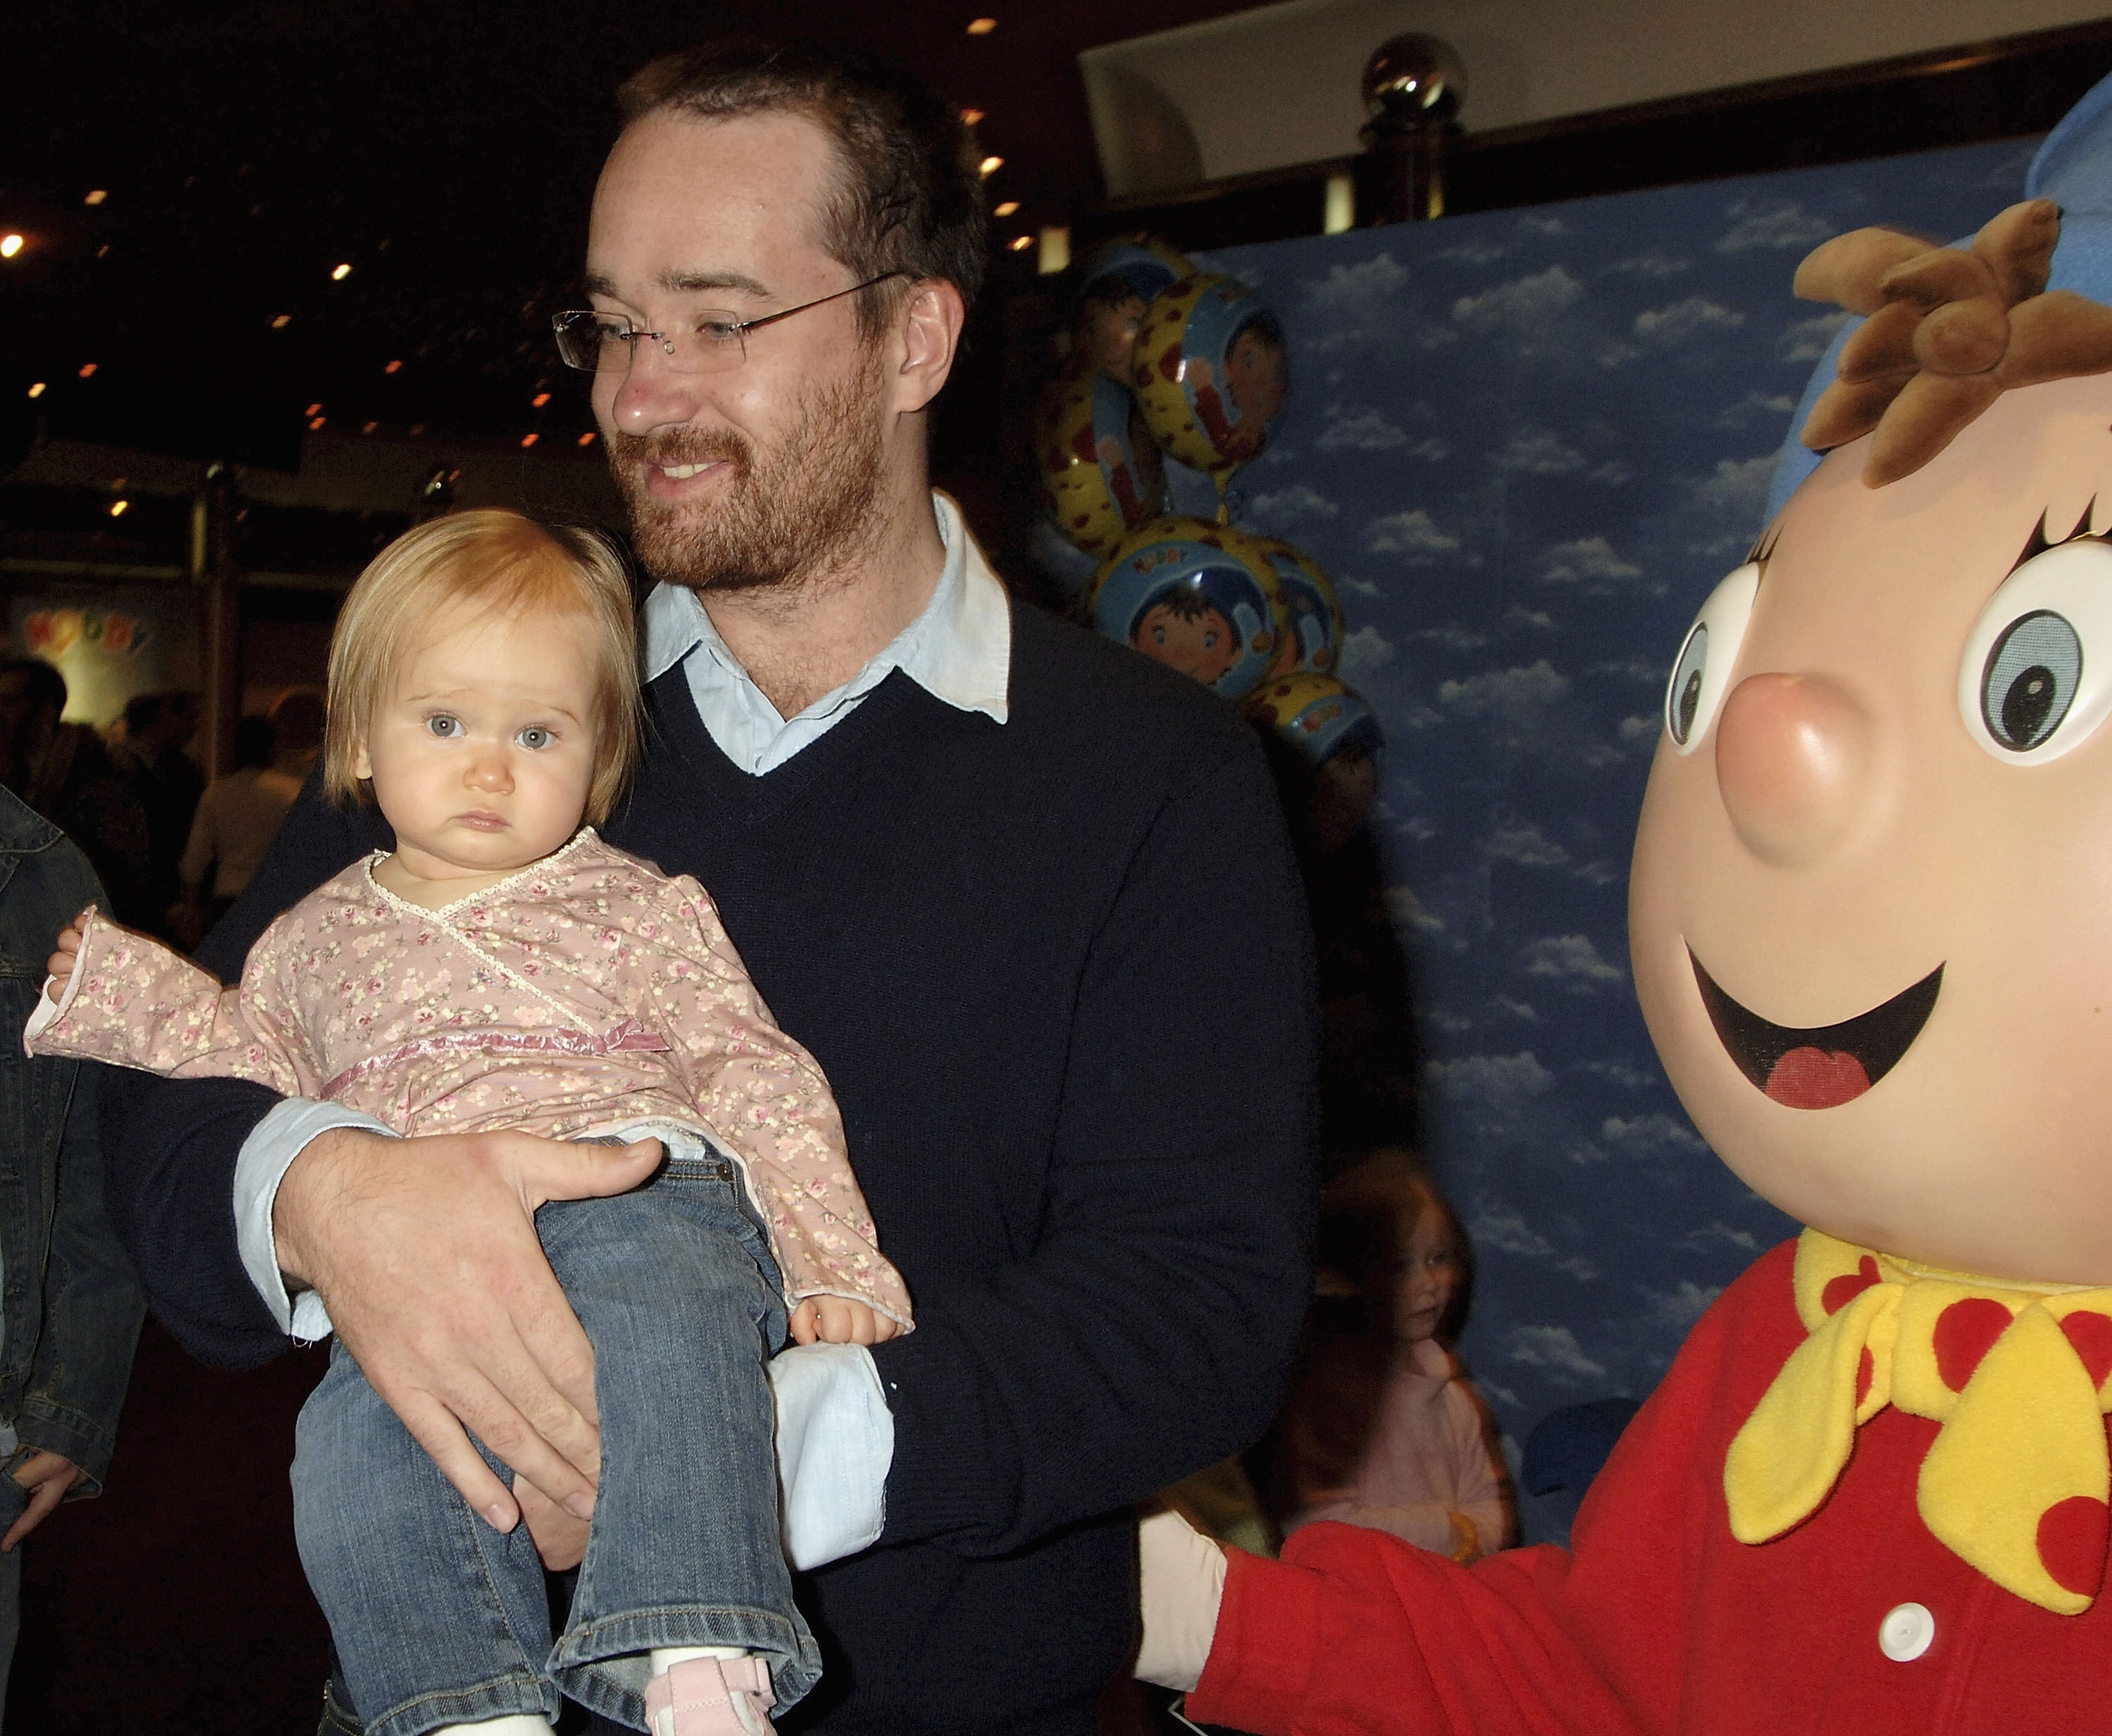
(928, 332)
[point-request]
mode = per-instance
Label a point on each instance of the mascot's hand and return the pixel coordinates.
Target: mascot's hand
(1183, 1584)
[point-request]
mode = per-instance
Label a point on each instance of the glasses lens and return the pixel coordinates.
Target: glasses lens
(591, 341)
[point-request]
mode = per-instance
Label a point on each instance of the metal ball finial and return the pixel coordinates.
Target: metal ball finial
(1414, 78)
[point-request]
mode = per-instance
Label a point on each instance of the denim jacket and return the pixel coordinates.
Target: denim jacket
(69, 1306)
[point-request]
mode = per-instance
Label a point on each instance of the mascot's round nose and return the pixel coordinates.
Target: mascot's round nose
(1792, 756)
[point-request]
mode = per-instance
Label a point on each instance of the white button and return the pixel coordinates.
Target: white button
(1908, 1632)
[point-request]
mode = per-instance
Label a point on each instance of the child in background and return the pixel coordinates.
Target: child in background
(1381, 1429)
(504, 968)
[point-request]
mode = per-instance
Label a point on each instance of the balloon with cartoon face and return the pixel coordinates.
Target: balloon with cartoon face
(1314, 642)
(1114, 292)
(1211, 372)
(1199, 598)
(1101, 474)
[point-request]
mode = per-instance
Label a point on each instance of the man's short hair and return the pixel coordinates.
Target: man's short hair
(910, 192)
(42, 685)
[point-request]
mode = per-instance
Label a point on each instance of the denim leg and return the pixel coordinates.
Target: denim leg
(437, 1619)
(675, 1286)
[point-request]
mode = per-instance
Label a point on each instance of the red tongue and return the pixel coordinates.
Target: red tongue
(1817, 1078)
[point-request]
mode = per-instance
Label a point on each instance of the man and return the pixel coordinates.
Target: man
(959, 845)
(64, 772)
(69, 1306)
(152, 753)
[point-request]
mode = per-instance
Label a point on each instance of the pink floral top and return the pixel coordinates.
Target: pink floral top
(587, 993)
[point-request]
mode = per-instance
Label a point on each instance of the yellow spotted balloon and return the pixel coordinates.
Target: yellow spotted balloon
(1200, 598)
(1100, 471)
(1318, 715)
(1211, 371)
(1314, 642)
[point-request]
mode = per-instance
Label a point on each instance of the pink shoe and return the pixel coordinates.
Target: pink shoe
(712, 1697)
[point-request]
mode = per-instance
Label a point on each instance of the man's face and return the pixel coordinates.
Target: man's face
(771, 470)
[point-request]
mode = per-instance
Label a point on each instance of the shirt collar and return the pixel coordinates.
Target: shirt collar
(959, 649)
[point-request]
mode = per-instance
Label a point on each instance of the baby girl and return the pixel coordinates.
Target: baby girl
(504, 968)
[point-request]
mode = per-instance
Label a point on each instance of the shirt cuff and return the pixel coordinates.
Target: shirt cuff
(835, 1440)
(265, 1156)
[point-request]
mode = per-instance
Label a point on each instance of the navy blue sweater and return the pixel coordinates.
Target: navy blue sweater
(1058, 974)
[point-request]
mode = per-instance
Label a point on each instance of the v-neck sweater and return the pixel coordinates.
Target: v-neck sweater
(1056, 972)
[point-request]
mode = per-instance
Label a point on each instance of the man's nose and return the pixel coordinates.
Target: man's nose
(651, 394)
(1792, 760)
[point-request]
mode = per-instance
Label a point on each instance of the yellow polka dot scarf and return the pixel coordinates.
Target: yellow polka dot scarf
(2019, 1377)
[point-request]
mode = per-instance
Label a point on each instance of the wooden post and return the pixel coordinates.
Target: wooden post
(220, 613)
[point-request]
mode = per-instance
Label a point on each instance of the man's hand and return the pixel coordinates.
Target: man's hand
(560, 1540)
(423, 1250)
(839, 1320)
(48, 1477)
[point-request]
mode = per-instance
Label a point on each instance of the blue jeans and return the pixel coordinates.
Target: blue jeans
(439, 1620)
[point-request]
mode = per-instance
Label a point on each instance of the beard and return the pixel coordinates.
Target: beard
(800, 508)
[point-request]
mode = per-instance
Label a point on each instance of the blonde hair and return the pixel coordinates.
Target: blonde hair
(509, 563)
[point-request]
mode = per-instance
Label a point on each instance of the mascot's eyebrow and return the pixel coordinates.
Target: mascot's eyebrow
(2040, 540)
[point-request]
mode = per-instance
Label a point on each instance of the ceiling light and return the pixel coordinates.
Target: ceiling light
(394, 367)
(981, 26)
(314, 409)
(1006, 209)
(95, 197)
(971, 117)
(117, 507)
(38, 389)
(539, 400)
(1020, 244)
(280, 321)
(417, 428)
(989, 167)
(529, 440)
(316, 423)
(10, 245)
(368, 427)
(340, 273)
(587, 438)
(88, 371)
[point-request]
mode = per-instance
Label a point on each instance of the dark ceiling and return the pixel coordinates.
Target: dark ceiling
(446, 152)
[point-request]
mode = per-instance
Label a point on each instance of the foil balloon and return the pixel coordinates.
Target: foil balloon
(1198, 597)
(1211, 370)
(1314, 642)
(1318, 715)
(1120, 281)
(1100, 471)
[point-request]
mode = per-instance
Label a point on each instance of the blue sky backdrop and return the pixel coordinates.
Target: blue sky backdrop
(1525, 445)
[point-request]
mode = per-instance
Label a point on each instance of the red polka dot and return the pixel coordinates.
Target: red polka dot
(2090, 1333)
(2072, 1543)
(1865, 1371)
(1843, 1290)
(1965, 1332)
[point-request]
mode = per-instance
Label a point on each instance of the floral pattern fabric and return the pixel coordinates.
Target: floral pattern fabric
(584, 993)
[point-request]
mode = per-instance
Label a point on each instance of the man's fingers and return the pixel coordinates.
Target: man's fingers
(545, 1169)
(434, 1427)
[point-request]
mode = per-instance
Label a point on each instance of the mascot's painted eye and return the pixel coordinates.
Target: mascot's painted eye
(1702, 672)
(2037, 676)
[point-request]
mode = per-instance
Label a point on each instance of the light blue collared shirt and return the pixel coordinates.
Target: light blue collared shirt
(832, 1418)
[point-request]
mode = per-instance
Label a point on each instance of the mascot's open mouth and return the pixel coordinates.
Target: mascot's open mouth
(1826, 1066)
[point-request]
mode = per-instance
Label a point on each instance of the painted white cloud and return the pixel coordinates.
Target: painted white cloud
(1512, 692)
(1540, 224)
(1540, 452)
(1353, 302)
(1681, 1308)
(1473, 252)
(1358, 431)
(1651, 1137)
(1527, 845)
(1569, 957)
(1636, 730)
(1297, 503)
(1413, 535)
(1773, 223)
(1523, 307)
(1407, 911)
(1452, 636)
(1806, 340)
(1735, 490)
(1499, 1227)
(1365, 652)
(1591, 564)
(1665, 327)
(1555, 1349)
(1510, 1007)
(1653, 264)
(1756, 407)
(1717, 1233)
(1538, 619)
(1492, 1081)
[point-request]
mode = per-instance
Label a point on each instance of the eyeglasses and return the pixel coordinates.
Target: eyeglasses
(714, 339)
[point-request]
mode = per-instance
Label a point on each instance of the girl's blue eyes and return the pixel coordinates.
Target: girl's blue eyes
(535, 737)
